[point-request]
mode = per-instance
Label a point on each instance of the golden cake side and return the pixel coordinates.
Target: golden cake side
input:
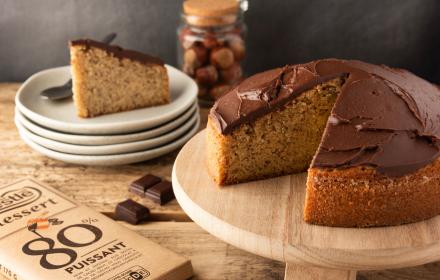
(280, 143)
(362, 197)
(104, 83)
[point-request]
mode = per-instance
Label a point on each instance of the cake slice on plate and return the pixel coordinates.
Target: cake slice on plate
(108, 79)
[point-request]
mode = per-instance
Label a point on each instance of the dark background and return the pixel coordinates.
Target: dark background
(400, 33)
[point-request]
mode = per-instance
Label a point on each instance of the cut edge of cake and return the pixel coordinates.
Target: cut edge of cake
(294, 151)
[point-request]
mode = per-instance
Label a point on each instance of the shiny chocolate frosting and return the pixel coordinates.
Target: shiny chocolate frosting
(384, 117)
(118, 51)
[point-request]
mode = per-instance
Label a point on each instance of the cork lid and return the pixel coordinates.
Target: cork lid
(210, 12)
(210, 8)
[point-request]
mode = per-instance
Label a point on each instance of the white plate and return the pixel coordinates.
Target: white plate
(61, 115)
(96, 140)
(113, 159)
(108, 149)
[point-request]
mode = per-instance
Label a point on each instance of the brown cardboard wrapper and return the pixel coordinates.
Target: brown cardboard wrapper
(45, 235)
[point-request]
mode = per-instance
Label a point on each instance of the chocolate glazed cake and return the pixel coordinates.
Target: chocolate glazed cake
(368, 135)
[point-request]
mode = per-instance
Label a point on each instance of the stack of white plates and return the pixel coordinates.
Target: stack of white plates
(53, 128)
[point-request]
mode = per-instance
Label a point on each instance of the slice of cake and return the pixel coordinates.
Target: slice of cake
(108, 79)
(368, 135)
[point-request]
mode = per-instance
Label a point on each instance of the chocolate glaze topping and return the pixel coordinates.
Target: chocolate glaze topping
(384, 117)
(118, 51)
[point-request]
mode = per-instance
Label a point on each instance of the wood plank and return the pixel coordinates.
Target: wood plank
(294, 272)
(211, 258)
(98, 187)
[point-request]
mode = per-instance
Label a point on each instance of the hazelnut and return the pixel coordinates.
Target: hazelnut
(195, 56)
(217, 91)
(207, 75)
(238, 48)
(222, 58)
(232, 74)
(188, 69)
(210, 41)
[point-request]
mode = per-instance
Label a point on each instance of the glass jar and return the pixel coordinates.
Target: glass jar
(211, 45)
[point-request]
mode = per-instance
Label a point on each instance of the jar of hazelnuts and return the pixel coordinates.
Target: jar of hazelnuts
(211, 45)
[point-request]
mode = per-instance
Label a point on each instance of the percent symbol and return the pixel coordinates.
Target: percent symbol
(89, 220)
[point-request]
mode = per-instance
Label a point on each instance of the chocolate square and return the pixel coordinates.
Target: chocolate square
(131, 212)
(140, 186)
(161, 193)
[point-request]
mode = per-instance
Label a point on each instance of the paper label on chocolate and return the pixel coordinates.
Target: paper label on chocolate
(44, 235)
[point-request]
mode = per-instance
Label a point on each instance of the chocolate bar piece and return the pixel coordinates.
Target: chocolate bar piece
(140, 186)
(131, 212)
(161, 193)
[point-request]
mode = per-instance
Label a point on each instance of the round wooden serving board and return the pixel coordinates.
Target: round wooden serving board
(266, 218)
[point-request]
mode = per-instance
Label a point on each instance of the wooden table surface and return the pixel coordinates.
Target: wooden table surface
(103, 187)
